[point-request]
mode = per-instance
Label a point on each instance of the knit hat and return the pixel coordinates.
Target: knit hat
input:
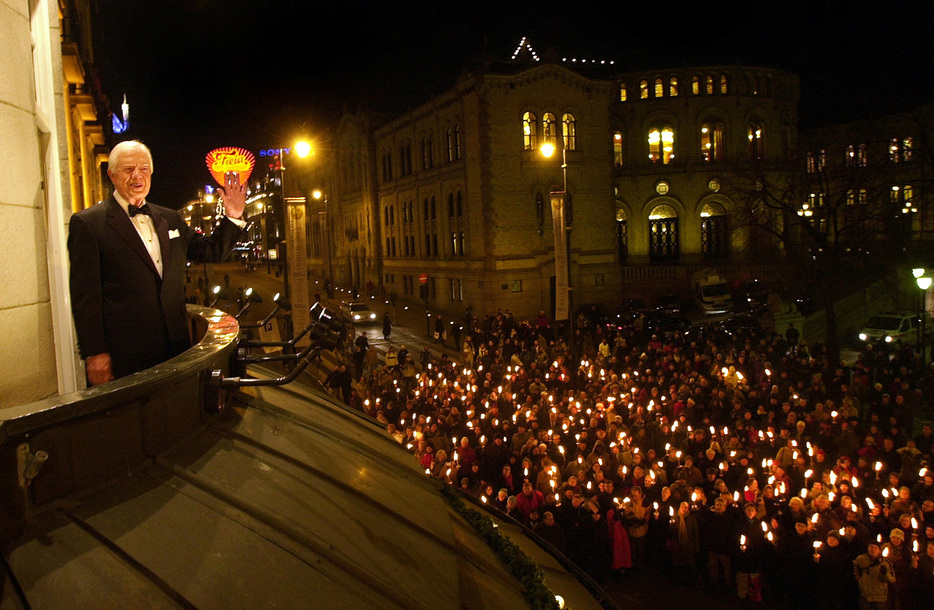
(896, 533)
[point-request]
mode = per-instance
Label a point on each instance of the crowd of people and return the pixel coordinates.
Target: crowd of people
(743, 461)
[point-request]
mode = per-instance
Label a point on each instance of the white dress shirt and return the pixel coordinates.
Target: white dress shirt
(147, 232)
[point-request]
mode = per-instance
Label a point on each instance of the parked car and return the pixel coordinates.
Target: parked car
(671, 304)
(712, 292)
(893, 327)
(665, 325)
(358, 312)
(741, 322)
(625, 313)
(751, 295)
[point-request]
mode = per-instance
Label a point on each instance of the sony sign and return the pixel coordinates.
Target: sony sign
(272, 152)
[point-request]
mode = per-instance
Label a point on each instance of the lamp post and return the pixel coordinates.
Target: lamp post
(562, 219)
(924, 282)
(302, 149)
(293, 245)
(320, 195)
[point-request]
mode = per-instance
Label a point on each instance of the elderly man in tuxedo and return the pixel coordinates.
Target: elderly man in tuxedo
(128, 260)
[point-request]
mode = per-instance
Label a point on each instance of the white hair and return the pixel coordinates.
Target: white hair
(128, 145)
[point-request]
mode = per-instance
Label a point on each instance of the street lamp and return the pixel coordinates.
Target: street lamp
(924, 282)
(319, 195)
(292, 247)
(562, 218)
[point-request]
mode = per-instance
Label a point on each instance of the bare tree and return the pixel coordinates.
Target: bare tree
(835, 222)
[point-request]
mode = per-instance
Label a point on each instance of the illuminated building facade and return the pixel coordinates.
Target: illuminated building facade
(53, 147)
(459, 190)
(873, 175)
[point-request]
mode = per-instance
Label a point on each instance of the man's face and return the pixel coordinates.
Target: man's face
(132, 175)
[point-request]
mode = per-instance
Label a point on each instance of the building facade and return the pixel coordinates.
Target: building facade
(869, 182)
(458, 191)
(52, 142)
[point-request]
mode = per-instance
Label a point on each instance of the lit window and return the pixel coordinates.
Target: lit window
(810, 163)
(644, 89)
(894, 155)
(695, 85)
(893, 194)
(673, 86)
(709, 84)
(550, 129)
(863, 197)
(821, 160)
(907, 145)
(756, 141)
(618, 148)
(661, 145)
(723, 87)
(570, 131)
(863, 155)
(712, 141)
(850, 197)
(659, 87)
(529, 131)
(850, 155)
(622, 92)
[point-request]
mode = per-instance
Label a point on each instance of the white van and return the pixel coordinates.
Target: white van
(712, 292)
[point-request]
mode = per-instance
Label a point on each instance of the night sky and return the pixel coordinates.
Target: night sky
(199, 74)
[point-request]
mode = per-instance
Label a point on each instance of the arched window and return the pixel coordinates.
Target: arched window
(756, 135)
(712, 141)
(663, 234)
(622, 92)
(570, 131)
(661, 145)
(643, 89)
(622, 235)
(659, 87)
(715, 236)
(709, 84)
(673, 86)
(550, 129)
(530, 131)
(454, 143)
(723, 84)
(695, 85)
(618, 148)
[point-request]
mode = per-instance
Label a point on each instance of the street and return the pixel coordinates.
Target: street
(410, 327)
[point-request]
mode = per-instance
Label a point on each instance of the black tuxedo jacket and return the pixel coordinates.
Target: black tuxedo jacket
(120, 304)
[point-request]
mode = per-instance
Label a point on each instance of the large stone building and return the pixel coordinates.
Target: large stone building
(458, 190)
(51, 142)
(869, 182)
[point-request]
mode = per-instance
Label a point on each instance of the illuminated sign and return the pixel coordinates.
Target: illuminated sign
(272, 152)
(220, 161)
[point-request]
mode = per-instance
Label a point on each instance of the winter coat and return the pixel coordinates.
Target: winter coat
(874, 577)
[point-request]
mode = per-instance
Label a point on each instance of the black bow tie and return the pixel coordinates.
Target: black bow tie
(143, 209)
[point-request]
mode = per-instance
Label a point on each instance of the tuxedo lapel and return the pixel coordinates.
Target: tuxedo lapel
(123, 226)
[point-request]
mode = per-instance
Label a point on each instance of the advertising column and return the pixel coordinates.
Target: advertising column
(298, 263)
